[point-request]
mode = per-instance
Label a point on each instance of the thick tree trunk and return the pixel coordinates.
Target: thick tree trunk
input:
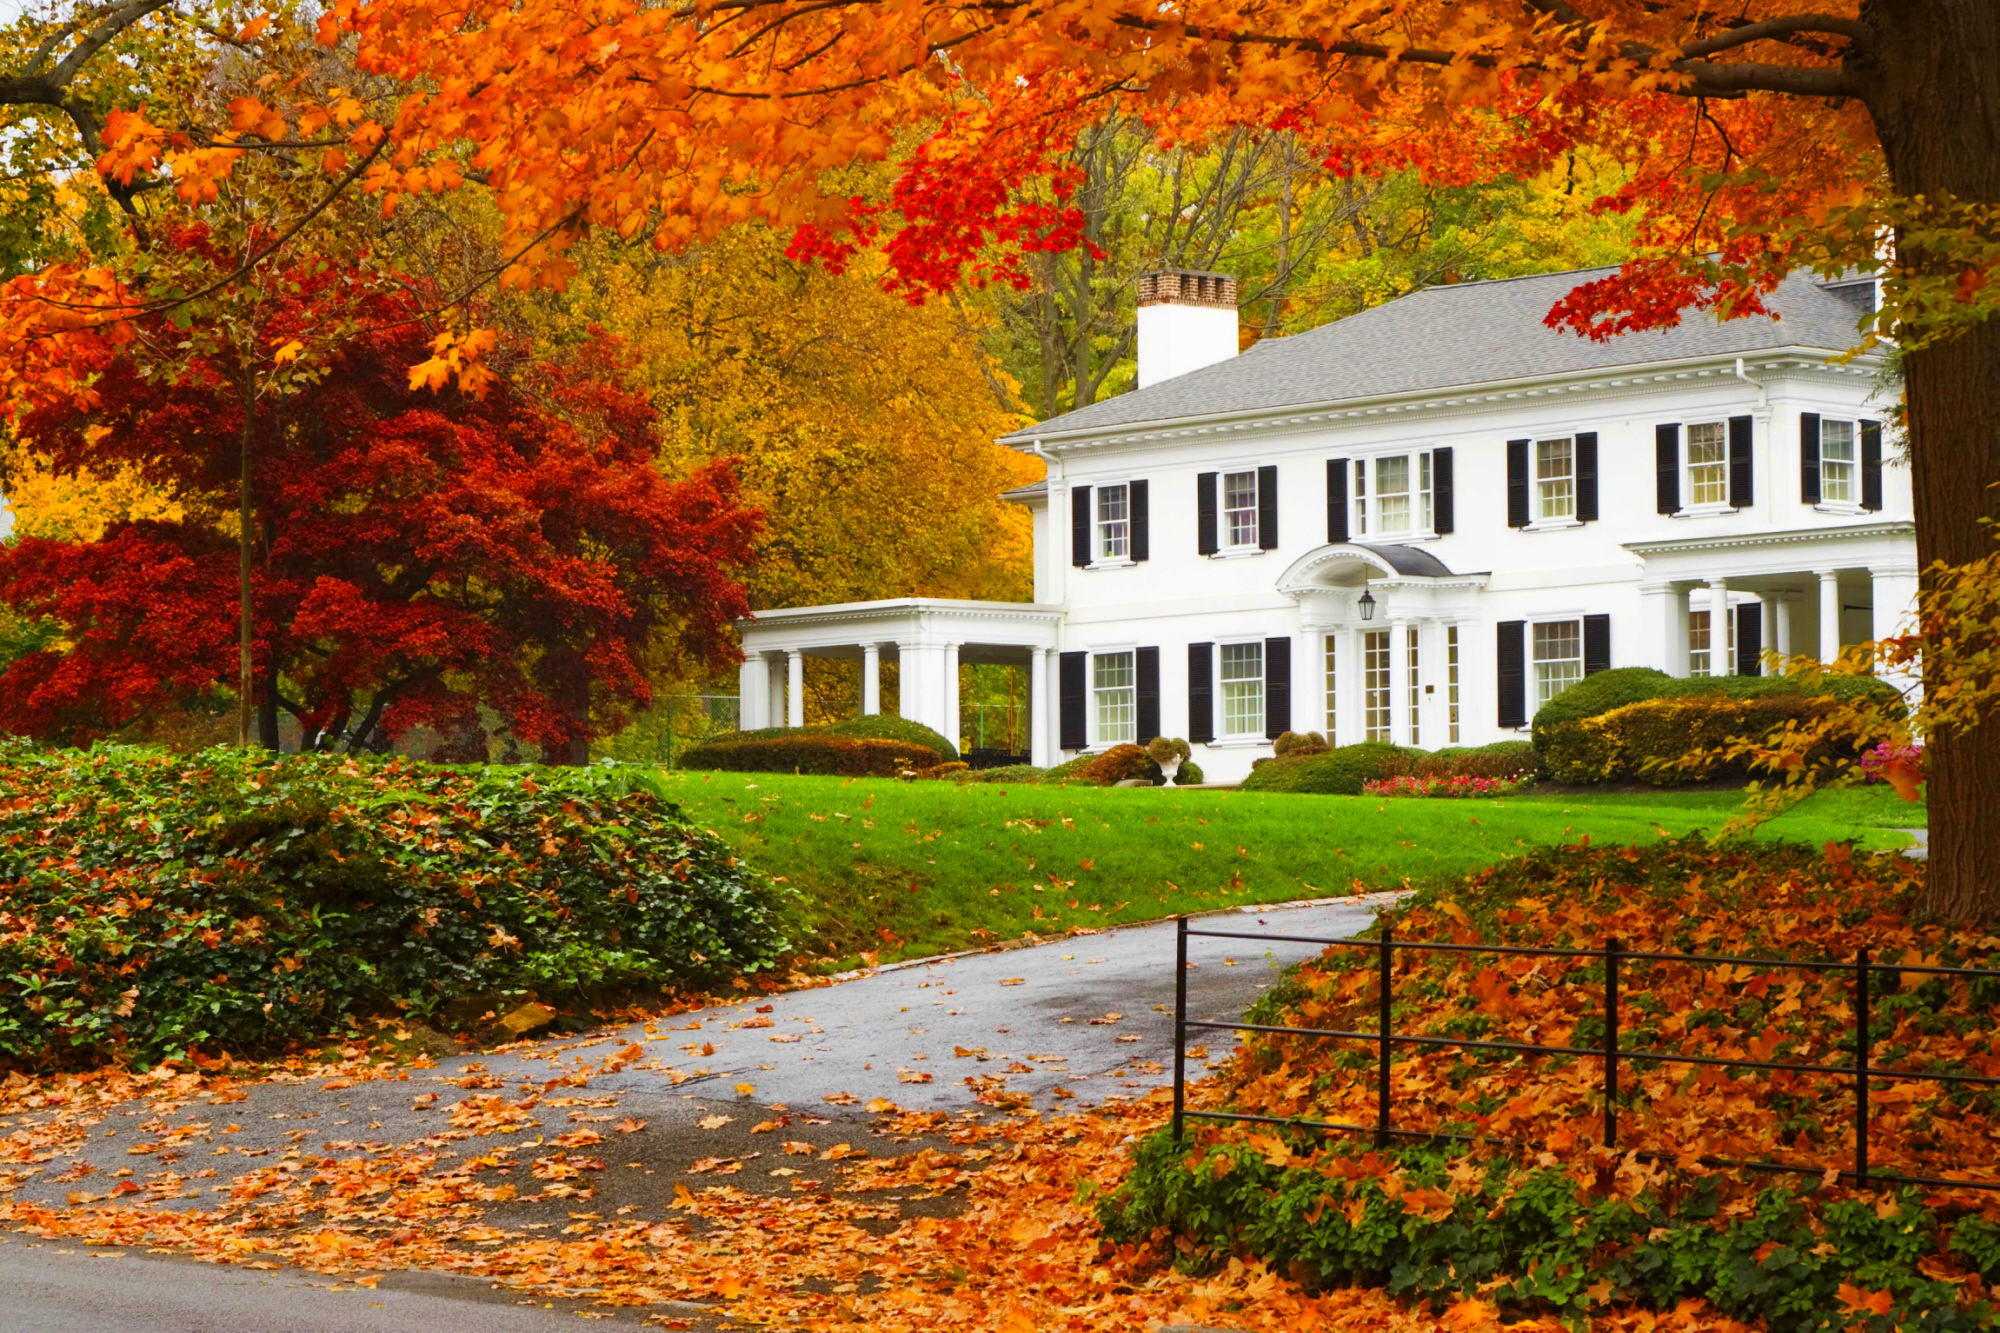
(1935, 100)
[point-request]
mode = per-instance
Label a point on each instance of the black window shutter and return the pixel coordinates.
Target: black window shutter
(1142, 521)
(1204, 514)
(1586, 476)
(1871, 465)
(1081, 524)
(1267, 508)
(1667, 467)
(1146, 671)
(1443, 516)
(1750, 639)
(1809, 457)
(1742, 471)
(1511, 671)
(1201, 692)
(1596, 644)
(1070, 669)
(1336, 499)
(1277, 687)
(1517, 483)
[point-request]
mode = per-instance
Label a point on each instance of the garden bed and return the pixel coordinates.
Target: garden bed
(1535, 1215)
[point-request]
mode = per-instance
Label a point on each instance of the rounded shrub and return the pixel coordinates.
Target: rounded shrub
(809, 751)
(1190, 774)
(1336, 772)
(1120, 763)
(875, 726)
(1026, 773)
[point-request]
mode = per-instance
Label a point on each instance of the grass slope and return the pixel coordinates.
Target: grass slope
(907, 869)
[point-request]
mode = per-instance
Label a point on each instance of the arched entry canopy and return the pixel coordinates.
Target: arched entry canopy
(1403, 583)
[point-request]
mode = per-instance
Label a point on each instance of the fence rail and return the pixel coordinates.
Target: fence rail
(1614, 1055)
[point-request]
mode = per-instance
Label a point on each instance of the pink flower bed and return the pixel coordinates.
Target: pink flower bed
(1453, 786)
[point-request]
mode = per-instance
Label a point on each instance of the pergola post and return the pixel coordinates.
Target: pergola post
(795, 688)
(871, 679)
(1041, 750)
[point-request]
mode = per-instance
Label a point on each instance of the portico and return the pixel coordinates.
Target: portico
(928, 638)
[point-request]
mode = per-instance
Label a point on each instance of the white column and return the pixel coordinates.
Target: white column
(1658, 607)
(924, 686)
(1347, 687)
(1781, 623)
(1039, 713)
(753, 692)
(774, 702)
(1829, 613)
(1721, 662)
(952, 718)
(1678, 609)
(795, 688)
(1399, 682)
(1894, 595)
(1769, 603)
(871, 679)
(1051, 701)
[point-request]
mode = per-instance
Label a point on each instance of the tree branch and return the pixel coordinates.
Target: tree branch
(1853, 30)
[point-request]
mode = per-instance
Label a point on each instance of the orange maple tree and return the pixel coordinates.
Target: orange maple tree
(1761, 135)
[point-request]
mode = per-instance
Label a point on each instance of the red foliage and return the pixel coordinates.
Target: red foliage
(420, 554)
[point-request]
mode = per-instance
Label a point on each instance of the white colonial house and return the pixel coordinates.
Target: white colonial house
(1415, 524)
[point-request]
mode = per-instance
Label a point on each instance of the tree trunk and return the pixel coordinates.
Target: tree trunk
(246, 680)
(1936, 106)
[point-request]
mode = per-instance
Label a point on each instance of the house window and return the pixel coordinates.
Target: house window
(1708, 463)
(1451, 684)
(1836, 463)
(1558, 657)
(1332, 687)
(1114, 682)
(1242, 689)
(1239, 507)
(1375, 684)
(1114, 522)
(1701, 660)
(1393, 496)
(1555, 479)
(1415, 686)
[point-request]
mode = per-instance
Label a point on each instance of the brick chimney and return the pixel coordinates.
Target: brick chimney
(1187, 320)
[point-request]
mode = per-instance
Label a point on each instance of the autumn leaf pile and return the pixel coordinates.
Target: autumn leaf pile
(151, 904)
(1529, 1210)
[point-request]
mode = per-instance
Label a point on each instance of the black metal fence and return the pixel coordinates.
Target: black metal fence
(1612, 1053)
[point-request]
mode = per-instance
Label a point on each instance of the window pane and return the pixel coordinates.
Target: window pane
(1114, 679)
(1239, 507)
(1451, 683)
(1558, 657)
(1392, 494)
(1243, 689)
(1375, 684)
(1707, 463)
(1698, 659)
(1555, 478)
(1424, 514)
(1360, 497)
(1416, 696)
(1114, 522)
(1836, 461)
(1332, 687)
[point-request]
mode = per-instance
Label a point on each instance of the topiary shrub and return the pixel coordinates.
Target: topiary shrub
(1299, 743)
(1336, 772)
(1662, 741)
(1164, 750)
(810, 752)
(1120, 763)
(158, 902)
(1190, 774)
(873, 726)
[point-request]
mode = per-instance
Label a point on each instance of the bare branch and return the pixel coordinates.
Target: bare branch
(1853, 30)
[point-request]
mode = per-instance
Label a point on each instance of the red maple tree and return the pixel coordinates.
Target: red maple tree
(422, 558)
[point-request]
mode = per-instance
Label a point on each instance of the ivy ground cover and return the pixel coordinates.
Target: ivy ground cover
(153, 904)
(908, 869)
(1536, 1216)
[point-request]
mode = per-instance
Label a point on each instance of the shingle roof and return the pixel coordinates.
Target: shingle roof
(1456, 335)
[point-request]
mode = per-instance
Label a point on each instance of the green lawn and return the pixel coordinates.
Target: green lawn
(914, 868)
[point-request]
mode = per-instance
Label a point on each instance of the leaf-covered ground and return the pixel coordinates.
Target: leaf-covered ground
(908, 869)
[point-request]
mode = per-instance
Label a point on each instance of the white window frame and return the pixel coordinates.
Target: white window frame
(1413, 640)
(1698, 617)
(1537, 480)
(1536, 662)
(1101, 737)
(1690, 487)
(1419, 494)
(1331, 665)
(1225, 534)
(1378, 684)
(1451, 684)
(1224, 697)
(1852, 504)
(1100, 527)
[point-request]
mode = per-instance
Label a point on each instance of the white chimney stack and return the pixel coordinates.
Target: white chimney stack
(1186, 321)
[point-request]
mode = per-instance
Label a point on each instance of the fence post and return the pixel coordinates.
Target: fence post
(1612, 949)
(1385, 967)
(1180, 1022)
(1861, 1042)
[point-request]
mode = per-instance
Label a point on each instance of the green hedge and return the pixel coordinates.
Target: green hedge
(1572, 753)
(155, 902)
(1337, 772)
(1669, 742)
(811, 752)
(874, 726)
